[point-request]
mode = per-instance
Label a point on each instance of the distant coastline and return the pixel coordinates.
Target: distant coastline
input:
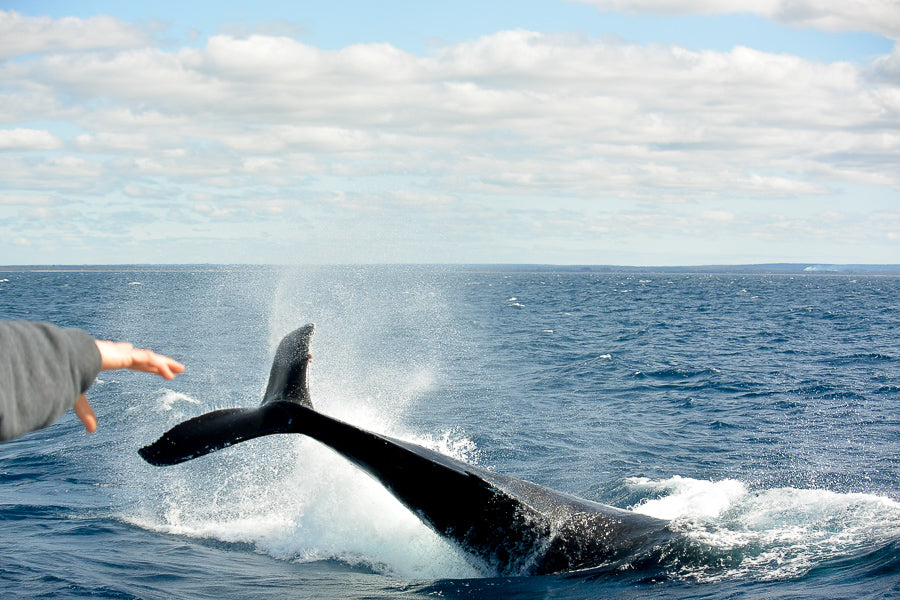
(762, 269)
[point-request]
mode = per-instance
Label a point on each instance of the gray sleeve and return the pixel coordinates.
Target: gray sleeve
(43, 370)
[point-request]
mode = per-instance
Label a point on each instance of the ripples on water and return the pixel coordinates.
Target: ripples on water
(757, 411)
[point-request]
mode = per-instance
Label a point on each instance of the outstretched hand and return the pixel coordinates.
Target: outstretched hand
(122, 355)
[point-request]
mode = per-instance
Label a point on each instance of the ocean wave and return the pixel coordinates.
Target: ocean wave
(729, 531)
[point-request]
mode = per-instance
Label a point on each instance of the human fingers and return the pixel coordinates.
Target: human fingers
(122, 355)
(151, 362)
(85, 413)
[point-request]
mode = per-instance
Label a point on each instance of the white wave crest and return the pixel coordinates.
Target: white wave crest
(688, 497)
(768, 534)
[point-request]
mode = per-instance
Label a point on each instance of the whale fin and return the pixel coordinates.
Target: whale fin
(288, 377)
(288, 386)
(216, 430)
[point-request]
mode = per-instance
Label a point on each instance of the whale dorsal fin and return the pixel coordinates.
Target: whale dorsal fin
(287, 379)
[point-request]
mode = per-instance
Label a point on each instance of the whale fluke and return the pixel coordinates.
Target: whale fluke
(216, 430)
(222, 428)
(512, 526)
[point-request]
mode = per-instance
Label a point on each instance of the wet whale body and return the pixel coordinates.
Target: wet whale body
(511, 526)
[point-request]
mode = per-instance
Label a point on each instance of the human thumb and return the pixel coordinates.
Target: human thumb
(84, 412)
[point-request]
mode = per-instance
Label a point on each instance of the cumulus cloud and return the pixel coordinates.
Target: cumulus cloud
(878, 16)
(22, 35)
(28, 139)
(460, 137)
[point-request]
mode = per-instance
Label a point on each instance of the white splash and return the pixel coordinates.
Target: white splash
(170, 399)
(768, 534)
(294, 499)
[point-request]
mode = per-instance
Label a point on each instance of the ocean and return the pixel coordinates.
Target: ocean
(758, 411)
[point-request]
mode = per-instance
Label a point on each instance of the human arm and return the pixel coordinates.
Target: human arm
(45, 370)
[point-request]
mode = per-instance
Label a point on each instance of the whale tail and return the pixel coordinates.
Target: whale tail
(513, 525)
(288, 388)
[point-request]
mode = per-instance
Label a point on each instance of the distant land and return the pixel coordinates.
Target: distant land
(771, 269)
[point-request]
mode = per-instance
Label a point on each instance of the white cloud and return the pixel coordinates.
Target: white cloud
(879, 16)
(720, 217)
(214, 211)
(887, 68)
(106, 141)
(28, 140)
(269, 128)
(21, 35)
(26, 200)
(40, 214)
(588, 105)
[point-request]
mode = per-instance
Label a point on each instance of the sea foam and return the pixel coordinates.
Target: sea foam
(767, 534)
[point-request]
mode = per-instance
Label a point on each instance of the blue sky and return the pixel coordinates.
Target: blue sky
(647, 132)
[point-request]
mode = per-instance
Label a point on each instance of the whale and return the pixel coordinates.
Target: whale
(505, 525)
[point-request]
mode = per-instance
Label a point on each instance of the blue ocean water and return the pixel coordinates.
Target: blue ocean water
(757, 411)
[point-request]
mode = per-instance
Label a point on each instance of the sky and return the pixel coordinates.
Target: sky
(589, 132)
